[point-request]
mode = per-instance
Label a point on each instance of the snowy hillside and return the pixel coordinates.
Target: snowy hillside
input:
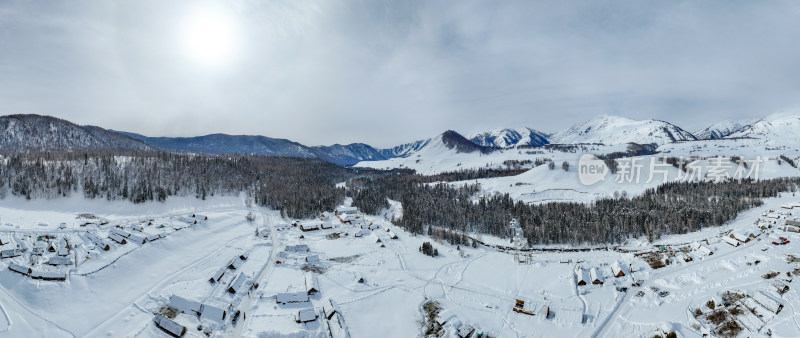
(509, 138)
(722, 129)
(774, 129)
(618, 130)
(28, 133)
(261, 145)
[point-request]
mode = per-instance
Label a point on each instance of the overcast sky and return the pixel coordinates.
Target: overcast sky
(387, 72)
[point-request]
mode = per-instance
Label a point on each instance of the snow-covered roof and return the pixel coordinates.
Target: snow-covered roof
(337, 327)
(767, 302)
(583, 276)
(392, 235)
(742, 236)
(19, 268)
(291, 297)
(99, 243)
(120, 232)
(169, 326)
(730, 241)
(213, 311)
(595, 275)
(137, 238)
(311, 283)
(49, 274)
(297, 248)
(306, 315)
(10, 253)
(312, 258)
(618, 270)
(217, 275)
(184, 305)
(239, 284)
(306, 226)
(235, 263)
(117, 238)
(59, 260)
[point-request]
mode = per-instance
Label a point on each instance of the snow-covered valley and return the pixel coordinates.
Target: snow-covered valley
(371, 279)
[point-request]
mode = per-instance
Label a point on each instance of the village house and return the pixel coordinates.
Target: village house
(239, 284)
(730, 241)
(184, 305)
(59, 260)
(291, 297)
(582, 276)
(617, 270)
(312, 286)
(767, 302)
(312, 259)
(169, 326)
(741, 237)
(98, 243)
(19, 268)
(310, 226)
(49, 275)
(136, 238)
(117, 238)
(595, 276)
(218, 275)
(10, 253)
(306, 315)
(234, 263)
(297, 248)
(214, 310)
(120, 232)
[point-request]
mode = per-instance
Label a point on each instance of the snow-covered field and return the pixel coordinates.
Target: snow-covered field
(370, 284)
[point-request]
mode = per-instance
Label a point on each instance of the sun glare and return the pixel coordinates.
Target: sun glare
(209, 37)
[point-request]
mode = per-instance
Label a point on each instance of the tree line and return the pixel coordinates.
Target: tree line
(672, 208)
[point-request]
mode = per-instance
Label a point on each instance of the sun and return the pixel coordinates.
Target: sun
(210, 37)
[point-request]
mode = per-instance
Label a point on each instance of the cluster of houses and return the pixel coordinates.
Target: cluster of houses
(739, 237)
(39, 257)
(233, 264)
(452, 326)
(595, 276)
(212, 310)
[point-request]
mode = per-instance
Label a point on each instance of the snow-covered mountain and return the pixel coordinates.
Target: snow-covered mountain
(31, 133)
(775, 128)
(406, 149)
(348, 154)
(607, 129)
(261, 145)
(722, 129)
(508, 138)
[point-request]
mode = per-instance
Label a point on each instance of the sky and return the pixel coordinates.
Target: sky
(389, 72)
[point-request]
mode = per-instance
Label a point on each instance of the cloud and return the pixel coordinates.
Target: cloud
(386, 72)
